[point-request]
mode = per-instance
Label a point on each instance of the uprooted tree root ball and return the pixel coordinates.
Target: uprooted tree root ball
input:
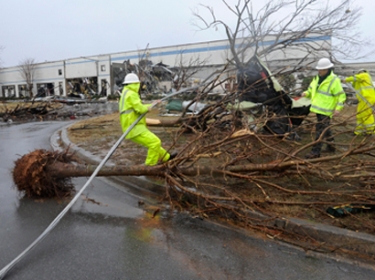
(32, 179)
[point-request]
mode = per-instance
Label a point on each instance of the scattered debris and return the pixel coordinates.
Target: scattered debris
(155, 212)
(345, 210)
(55, 109)
(87, 199)
(141, 202)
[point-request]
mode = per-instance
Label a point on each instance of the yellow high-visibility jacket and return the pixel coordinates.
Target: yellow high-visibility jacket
(363, 85)
(130, 108)
(328, 97)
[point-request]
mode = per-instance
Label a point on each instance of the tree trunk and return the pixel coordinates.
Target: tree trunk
(66, 170)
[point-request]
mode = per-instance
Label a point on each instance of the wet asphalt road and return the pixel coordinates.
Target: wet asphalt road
(108, 236)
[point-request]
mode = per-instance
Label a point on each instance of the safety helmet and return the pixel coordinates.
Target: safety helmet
(131, 78)
(324, 63)
(362, 70)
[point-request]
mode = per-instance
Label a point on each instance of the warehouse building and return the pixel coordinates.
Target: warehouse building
(101, 74)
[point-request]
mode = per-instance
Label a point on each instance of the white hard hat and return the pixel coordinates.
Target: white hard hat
(362, 70)
(324, 63)
(131, 78)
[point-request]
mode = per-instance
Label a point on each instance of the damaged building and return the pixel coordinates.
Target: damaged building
(158, 67)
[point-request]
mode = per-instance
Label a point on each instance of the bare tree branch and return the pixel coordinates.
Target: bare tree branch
(286, 25)
(27, 71)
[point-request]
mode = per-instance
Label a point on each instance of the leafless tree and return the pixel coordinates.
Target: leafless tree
(185, 69)
(287, 26)
(27, 69)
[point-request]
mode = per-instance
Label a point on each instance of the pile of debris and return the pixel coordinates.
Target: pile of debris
(43, 111)
(24, 111)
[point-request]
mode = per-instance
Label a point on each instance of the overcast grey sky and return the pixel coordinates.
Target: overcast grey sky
(50, 30)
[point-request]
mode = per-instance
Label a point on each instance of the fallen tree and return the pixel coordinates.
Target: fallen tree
(46, 174)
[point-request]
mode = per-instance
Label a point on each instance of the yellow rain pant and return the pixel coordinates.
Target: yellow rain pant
(365, 117)
(362, 83)
(153, 143)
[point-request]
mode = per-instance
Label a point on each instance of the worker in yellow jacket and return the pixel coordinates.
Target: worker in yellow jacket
(365, 93)
(130, 108)
(327, 100)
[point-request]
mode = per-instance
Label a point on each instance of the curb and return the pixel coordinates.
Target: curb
(337, 238)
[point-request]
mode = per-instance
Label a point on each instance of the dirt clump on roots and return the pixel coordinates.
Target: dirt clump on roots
(32, 179)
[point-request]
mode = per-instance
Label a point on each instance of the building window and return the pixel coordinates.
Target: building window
(60, 72)
(102, 67)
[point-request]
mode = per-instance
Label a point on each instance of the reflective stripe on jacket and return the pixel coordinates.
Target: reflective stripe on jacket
(130, 108)
(363, 85)
(328, 97)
